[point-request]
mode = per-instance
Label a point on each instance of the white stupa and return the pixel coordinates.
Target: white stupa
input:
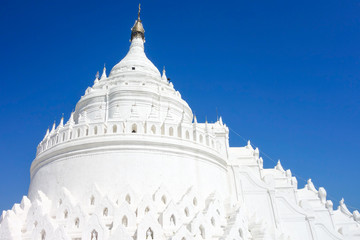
(133, 163)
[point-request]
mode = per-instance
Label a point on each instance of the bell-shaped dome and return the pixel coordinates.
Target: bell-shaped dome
(136, 61)
(133, 84)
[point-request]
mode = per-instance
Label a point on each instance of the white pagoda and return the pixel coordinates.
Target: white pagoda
(133, 163)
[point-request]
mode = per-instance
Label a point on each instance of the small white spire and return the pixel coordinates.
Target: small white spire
(103, 76)
(71, 121)
(61, 124)
(163, 77)
(220, 121)
(195, 120)
(96, 78)
(279, 166)
(72, 118)
(53, 128)
(47, 132)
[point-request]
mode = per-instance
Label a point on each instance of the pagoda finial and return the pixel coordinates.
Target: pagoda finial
(138, 30)
(139, 11)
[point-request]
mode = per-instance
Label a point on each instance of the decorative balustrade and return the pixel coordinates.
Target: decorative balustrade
(191, 132)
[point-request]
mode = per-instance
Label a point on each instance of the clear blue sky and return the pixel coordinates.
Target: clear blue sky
(284, 74)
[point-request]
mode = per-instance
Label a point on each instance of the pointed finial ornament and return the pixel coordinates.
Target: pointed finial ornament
(139, 11)
(53, 127)
(103, 76)
(71, 119)
(163, 77)
(138, 30)
(248, 146)
(96, 81)
(47, 132)
(61, 121)
(279, 166)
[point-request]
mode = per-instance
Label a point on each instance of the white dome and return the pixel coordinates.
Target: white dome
(131, 164)
(135, 127)
(136, 60)
(133, 83)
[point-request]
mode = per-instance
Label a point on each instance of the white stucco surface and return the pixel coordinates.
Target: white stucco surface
(132, 162)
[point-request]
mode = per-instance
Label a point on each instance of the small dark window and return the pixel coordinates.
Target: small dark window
(133, 68)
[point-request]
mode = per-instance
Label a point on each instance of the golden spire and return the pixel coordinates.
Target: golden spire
(139, 11)
(138, 30)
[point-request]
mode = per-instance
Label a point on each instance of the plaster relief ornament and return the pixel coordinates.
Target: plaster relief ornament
(133, 162)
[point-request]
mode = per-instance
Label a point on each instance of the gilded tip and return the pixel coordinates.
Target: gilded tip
(139, 11)
(138, 29)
